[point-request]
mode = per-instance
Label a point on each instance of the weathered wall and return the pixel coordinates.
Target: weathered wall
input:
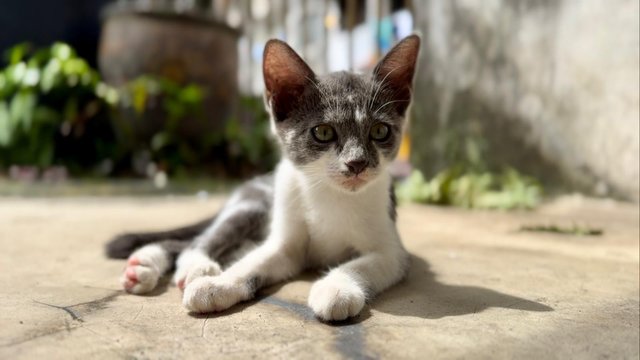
(549, 87)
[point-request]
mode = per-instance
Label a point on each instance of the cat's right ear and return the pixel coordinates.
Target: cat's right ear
(395, 71)
(286, 77)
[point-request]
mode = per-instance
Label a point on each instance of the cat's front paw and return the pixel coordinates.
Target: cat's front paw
(214, 293)
(184, 275)
(334, 298)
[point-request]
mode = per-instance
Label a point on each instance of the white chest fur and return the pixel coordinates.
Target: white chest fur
(340, 224)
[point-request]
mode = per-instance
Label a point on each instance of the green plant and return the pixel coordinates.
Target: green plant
(247, 136)
(54, 109)
(241, 147)
(150, 100)
(460, 187)
(47, 106)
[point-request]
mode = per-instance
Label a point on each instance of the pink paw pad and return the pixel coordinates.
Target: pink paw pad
(130, 278)
(129, 284)
(181, 284)
(131, 275)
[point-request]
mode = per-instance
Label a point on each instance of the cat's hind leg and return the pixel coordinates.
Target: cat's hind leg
(148, 264)
(239, 226)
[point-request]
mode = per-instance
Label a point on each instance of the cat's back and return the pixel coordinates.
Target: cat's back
(259, 190)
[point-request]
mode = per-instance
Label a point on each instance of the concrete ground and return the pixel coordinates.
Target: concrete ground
(478, 288)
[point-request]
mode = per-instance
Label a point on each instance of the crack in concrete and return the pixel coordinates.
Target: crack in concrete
(74, 316)
(204, 324)
(138, 313)
(100, 303)
(92, 305)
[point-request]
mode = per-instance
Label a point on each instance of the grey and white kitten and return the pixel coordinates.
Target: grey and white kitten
(329, 205)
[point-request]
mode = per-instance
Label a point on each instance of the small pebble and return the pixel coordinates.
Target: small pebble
(160, 180)
(202, 195)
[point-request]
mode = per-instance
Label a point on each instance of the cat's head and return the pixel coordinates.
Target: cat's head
(343, 128)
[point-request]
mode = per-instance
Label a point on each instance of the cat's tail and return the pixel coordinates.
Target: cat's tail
(121, 246)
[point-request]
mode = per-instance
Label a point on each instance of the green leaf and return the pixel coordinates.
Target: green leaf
(160, 140)
(51, 75)
(16, 53)
(62, 51)
(191, 94)
(21, 109)
(139, 98)
(17, 72)
(6, 128)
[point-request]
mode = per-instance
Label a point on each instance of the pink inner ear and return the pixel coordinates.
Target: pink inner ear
(396, 71)
(285, 76)
(399, 64)
(282, 67)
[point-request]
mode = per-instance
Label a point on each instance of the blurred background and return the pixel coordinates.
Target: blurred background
(513, 100)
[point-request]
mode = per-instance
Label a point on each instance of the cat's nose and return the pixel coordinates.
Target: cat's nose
(356, 166)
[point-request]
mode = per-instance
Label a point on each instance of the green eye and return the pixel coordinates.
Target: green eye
(323, 133)
(380, 132)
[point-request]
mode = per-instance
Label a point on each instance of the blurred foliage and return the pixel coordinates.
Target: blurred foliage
(147, 101)
(564, 230)
(247, 136)
(240, 148)
(482, 190)
(48, 106)
(55, 110)
(469, 182)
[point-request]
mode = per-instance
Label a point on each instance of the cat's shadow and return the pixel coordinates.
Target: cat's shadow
(422, 295)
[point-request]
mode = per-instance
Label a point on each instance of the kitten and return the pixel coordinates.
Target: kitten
(330, 203)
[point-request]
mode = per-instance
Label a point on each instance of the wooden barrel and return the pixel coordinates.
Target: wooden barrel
(183, 48)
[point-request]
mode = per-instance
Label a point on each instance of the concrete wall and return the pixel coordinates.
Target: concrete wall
(549, 87)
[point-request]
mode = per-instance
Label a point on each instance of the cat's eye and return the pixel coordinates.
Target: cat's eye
(323, 133)
(380, 132)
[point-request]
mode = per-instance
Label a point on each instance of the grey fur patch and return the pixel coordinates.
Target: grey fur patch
(244, 220)
(253, 284)
(172, 249)
(393, 214)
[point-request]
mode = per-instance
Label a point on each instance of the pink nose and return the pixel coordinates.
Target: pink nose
(356, 166)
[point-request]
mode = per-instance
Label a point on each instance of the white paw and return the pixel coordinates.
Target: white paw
(336, 298)
(144, 268)
(209, 268)
(193, 264)
(214, 293)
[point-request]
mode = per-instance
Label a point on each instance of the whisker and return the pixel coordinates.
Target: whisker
(387, 103)
(383, 82)
(315, 85)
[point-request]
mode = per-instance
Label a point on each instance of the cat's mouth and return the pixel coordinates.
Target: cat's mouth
(353, 183)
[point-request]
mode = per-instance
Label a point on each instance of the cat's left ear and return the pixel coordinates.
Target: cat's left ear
(395, 71)
(286, 77)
